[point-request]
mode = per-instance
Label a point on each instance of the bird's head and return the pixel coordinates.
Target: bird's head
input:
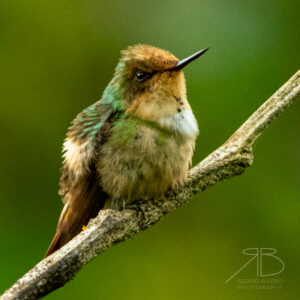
(152, 82)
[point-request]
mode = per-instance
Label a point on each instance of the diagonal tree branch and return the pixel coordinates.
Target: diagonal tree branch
(111, 227)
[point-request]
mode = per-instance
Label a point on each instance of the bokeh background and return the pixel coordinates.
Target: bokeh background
(56, 57)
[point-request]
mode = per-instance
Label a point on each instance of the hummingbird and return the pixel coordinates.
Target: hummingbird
(136, 142)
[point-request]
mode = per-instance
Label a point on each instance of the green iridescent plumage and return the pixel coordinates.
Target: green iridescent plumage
(88, 123)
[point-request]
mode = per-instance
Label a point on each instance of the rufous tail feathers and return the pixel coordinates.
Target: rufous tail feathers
(85, 202)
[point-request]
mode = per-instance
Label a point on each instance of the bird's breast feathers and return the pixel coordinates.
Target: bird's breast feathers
(138, 153)
(153, 158)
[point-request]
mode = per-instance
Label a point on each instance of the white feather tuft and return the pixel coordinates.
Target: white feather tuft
(183, 121)
(77, 156)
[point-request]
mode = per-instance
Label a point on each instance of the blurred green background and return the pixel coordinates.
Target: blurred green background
(56, 57)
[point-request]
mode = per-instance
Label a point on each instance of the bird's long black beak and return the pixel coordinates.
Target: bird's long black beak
(182, 63)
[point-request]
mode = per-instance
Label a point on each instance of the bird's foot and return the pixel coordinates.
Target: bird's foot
(135, 206)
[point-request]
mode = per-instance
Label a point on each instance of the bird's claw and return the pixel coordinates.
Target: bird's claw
(139, 211)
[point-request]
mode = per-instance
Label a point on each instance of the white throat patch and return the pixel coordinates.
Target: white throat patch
(183, 121)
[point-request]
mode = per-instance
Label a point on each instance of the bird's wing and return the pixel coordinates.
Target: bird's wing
(79, 183)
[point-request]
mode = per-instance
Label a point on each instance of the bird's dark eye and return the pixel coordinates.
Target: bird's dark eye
(141, 76)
